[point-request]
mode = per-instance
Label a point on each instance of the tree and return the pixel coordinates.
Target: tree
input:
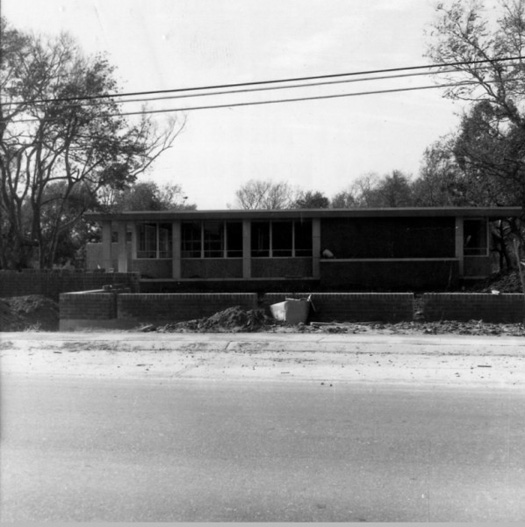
(392, 191)
(441, 181)
(358, 194)
(344, 200)
(148, 195)
(489, 148)
(312, 200)
(265, 194)
(61, 130)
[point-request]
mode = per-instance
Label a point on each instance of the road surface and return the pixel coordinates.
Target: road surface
(94, 448)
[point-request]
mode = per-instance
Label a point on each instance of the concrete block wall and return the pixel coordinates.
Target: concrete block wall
(173, 307)
(354, 307)
(54, 282)
(503, 308)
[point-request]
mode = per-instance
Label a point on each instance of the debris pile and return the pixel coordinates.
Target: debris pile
(32, 312)
(507, 282)
(232, 320)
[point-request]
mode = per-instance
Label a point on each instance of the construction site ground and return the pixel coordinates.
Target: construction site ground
(329, 359)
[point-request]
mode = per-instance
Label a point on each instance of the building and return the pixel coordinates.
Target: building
(299, 250)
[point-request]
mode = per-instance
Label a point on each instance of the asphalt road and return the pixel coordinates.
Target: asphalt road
(87, 449)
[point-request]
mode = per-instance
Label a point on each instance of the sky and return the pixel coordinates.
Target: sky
(320, 145)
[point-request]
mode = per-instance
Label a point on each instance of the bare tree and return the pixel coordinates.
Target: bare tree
(265, 194)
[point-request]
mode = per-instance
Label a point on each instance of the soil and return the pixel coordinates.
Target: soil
(28, 313)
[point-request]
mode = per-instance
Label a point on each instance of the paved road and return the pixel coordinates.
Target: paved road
(88, 449)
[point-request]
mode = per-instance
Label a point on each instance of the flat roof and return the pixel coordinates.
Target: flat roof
(412, 212)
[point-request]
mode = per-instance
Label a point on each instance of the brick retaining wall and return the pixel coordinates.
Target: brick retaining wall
(114, 309)
(354, 307)
(52, 283)
(88, 306)
(503, 308)
(173, 307)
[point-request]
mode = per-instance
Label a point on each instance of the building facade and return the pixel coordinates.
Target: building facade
(323, 249)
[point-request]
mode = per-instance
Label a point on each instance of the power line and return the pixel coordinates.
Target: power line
(280, 81)
(274, 101)
(268, 88)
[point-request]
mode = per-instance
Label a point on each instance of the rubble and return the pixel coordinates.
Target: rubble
(32, 312)
(506, 282)
(231, 320)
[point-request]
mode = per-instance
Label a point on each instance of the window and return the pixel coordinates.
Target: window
(154, 240)
(191, 239)
(165, 240)
(281, 239)
(211, 239)
(475, 237)
(303, 238)
(234, 239)
(260, 239)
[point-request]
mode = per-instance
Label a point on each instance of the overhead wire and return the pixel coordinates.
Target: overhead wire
(255, 90)
(280, 81)
(286, 100)
(272, 101)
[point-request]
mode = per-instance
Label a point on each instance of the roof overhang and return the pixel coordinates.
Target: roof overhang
(430, 212)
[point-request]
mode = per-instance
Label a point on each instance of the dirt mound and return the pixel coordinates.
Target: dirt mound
(35, 312)
(508, 282)
(231, 320)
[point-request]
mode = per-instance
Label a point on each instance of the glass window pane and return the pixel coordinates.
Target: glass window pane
(191, 239)
(165, 241)
(260, 239)
(282, 238)
(234, 239)
(303, 238)
(475, 237)
(213, 239)
(147, 240)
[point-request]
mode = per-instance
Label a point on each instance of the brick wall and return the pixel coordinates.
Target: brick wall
(88, 306)
(52, 283)
(504, 308)
(354, 307)
(179, 306)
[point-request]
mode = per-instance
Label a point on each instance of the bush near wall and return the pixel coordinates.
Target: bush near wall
(52, 283)
(354, 307)
(503, 308)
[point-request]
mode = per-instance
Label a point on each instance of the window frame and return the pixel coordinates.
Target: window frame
(477, 251)
(210, 254)
(158, 245)
(294, 250)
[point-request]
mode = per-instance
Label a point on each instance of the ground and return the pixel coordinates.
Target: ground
(38, 313)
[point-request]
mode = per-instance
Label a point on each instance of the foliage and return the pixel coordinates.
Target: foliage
(265, 194)
(312, 200)
(372, 191)
(489, 147)
(63, 139)
(148, 195)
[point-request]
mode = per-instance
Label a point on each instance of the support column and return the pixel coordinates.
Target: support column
(106, 245)
(246, 249)
(460, 245)
(176, 250)
(122, 247)
(316, 248)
